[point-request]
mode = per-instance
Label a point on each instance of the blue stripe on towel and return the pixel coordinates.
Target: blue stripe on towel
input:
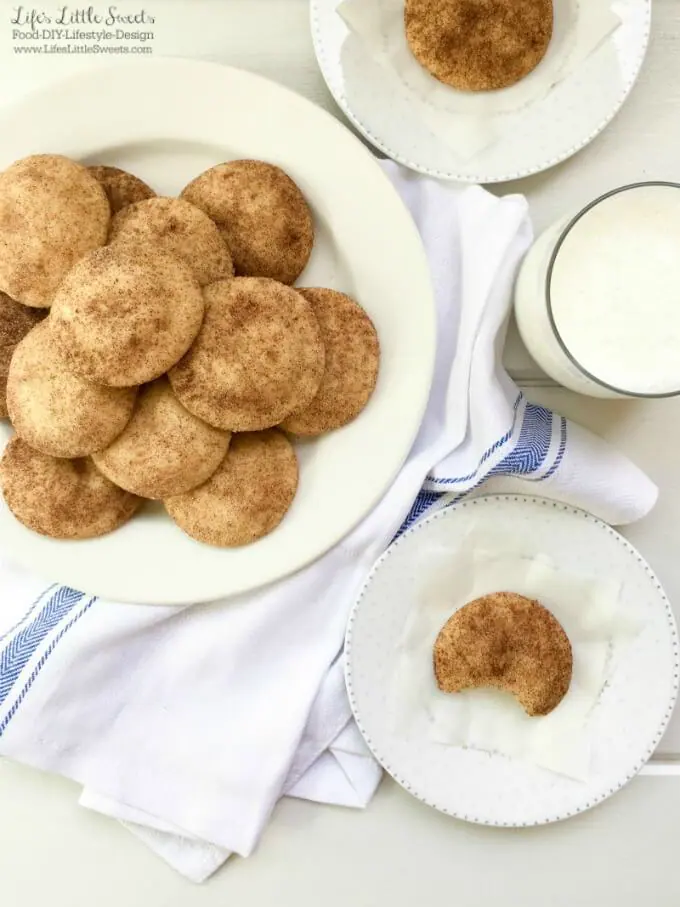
(43, 658)
(22, 646)
(528, 456)
(424, 501)
(560, 453)
(458, 480)
(533, 444)
(22, 620)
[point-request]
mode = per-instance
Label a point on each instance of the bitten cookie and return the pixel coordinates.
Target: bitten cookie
(479, 45)
(507, 642)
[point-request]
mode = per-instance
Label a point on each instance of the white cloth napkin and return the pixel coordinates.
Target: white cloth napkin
(189, 724)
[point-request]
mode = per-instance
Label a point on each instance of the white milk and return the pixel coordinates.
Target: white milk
(614, 292)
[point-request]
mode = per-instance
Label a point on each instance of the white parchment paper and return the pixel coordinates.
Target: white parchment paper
(590, 612)
(468, 122)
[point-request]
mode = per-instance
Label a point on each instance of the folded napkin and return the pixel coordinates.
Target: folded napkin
(189, 724)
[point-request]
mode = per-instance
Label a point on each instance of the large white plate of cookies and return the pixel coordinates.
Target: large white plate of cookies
(216, 332)
(512, 661)
(480, 91)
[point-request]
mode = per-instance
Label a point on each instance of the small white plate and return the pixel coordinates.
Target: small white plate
(549, 131)
(625, 726)
(167, 120)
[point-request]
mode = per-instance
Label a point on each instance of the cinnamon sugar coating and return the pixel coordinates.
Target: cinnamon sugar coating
(124, 316)
(507, 642)
(263, 215)
(62, 499)
(164, 449)
(258, 357)
(121, 188)
(248, 495)
(351, 365)
(52, 212)
(479, 45)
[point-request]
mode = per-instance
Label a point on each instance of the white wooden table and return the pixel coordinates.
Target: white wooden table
(398, 852)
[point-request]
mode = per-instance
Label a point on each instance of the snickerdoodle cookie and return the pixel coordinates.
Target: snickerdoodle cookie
(508, 642)
(258, 357)
(124, 316)
(55, 411)
(248, 495)
(122, 188)
(479, 45)
(263, 215)
(351, 369)
(164, 449)
(63, 499)
(16, 320)
(181, 229)
(52, 212)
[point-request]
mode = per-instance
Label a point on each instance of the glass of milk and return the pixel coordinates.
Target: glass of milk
(597, 299)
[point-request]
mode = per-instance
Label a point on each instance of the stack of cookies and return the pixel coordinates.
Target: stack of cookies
(154, 348)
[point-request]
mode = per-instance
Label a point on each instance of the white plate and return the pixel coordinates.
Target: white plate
(167, 120)
(625, 725)
(550, 131)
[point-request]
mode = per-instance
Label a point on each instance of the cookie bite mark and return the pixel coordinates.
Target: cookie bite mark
(507, 642)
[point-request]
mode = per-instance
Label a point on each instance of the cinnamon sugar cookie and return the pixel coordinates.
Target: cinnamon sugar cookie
(52, 212)
(258, 357)
(479, 45)
(122, 188)
(181, 229)
(55, 411)
(63, 499)
(263, 215)
(16, 320)
(246, 498)
(351, 368)
(163, 450)
(508, 642)
(124, 316)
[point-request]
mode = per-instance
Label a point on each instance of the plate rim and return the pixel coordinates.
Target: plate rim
(126, 71)
(446, 512)
(449, 175)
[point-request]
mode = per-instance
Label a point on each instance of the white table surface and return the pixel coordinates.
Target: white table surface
(398, 852)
